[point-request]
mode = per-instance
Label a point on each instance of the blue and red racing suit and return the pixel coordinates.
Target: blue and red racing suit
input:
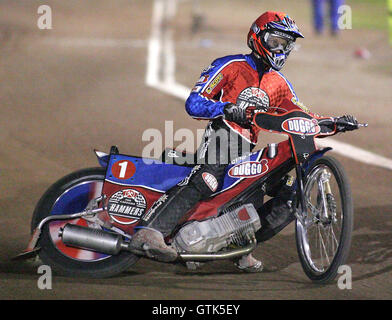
(231, 79)
(236, 79)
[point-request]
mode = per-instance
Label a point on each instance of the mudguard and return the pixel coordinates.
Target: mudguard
(313, 157)
(103, 158)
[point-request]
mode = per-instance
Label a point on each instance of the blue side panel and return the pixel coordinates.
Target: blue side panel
(153, 174)
(163, 176)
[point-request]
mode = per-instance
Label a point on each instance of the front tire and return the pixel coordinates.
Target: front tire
(324, 240)
(71, 194)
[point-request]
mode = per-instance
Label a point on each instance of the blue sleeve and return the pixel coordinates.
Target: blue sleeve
(199, 106)
(200, 103)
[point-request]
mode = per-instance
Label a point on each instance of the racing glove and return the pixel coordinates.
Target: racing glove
(235, 113)
(346, 123)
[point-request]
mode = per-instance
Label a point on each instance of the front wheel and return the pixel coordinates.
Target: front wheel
(71, 194)
(324, 235)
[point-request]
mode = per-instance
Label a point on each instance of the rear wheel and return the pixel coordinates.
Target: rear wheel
(71, 194)
(324, 236)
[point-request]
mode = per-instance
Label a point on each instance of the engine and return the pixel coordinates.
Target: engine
(216, 233)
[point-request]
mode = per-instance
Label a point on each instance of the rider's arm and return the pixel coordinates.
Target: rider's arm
(204, 102)
(286, 100)
(200, 107)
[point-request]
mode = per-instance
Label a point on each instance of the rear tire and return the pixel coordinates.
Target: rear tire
(70, 195)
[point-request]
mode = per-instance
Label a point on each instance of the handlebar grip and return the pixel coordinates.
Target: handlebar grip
(362, 125)
(359, 125)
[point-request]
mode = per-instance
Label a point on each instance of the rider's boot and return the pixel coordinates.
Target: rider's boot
(248, 263)
(152, 243)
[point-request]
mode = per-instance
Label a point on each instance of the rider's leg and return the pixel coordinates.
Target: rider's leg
(199, 185)
(278, 212)
(275, 214)
(165, 213)
(219, 147)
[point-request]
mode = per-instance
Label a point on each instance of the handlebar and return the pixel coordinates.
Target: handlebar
(251, 111)
(302, 128)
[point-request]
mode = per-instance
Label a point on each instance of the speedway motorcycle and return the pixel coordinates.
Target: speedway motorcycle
(84, 222)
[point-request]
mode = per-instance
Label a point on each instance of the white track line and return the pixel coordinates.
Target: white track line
(154, 44)
(356, 153)
(96, 42)
(163, 11)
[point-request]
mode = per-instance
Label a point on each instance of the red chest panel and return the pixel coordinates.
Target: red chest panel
(241, 85)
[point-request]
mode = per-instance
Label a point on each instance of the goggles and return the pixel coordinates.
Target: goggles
(278, 41)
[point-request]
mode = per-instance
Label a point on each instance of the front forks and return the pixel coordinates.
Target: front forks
(326, 199)
(324, 189)
(325, 211)
(301, 213)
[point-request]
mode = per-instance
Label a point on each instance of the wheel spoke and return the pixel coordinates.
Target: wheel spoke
(322, 246)
(334, 240)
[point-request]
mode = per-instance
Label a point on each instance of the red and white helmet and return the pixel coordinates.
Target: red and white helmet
(272, 37)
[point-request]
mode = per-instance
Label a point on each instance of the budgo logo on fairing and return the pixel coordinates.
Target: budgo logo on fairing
(249, 169)
(301, 126)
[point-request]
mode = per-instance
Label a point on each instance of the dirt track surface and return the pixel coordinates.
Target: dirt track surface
(61, 97)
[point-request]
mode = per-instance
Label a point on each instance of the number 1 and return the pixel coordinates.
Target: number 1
(123, 170)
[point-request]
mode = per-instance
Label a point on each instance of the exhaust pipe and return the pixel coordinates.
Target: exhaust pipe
(230, 254)
(112, 243)
(92, 239)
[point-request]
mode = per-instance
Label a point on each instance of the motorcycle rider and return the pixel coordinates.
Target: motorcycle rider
(224, 94)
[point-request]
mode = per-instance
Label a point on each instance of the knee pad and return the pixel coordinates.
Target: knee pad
(205, 179)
